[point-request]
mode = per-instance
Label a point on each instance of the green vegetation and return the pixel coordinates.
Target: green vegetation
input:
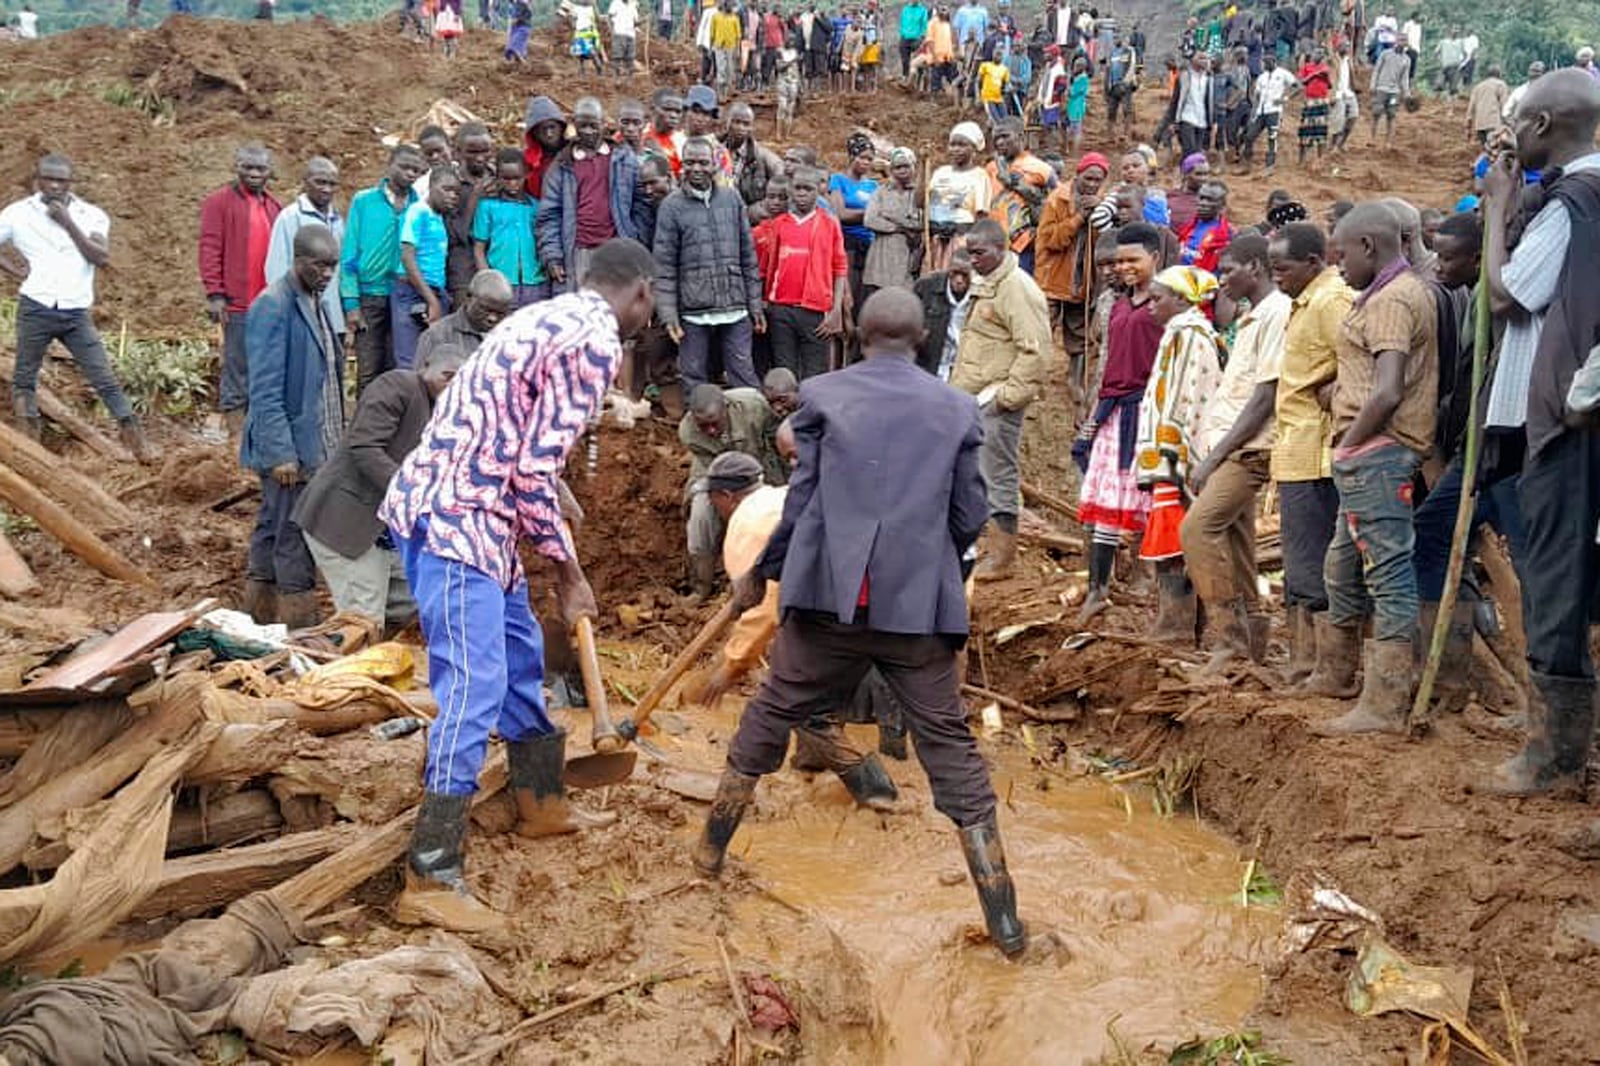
(1243, 1048)
(164, 377)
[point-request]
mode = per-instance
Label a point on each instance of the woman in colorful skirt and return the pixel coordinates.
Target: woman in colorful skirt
(1169, 445)
(521, 29)
(448, 26)
(1317, 81)
(1110, 501)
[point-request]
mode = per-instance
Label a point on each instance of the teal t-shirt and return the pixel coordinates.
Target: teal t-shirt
(1078, 98)
(423, 229)
(506, 229)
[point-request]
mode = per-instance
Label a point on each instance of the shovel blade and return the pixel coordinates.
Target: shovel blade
(597, 771)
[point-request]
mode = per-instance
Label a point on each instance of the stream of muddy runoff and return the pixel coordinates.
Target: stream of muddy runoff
(1138, 935)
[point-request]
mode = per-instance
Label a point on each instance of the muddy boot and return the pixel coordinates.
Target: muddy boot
(542, 808)
(702, 577)
(132, 436)
(1102, 560)
(892, 734)
(1000, 561)
(1259, 627)
(870, 784)
(260, 601)
(1176, 605)
(1560, 726)
(1385, 701)
(1335, 672)
(1302, 644)
(1232, 634)
(734, 793)
(436, 891)
(31, 425)
(298, 610)
(1456, 664)
(986, 861)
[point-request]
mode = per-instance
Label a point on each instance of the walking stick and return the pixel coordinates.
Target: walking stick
(927, 238)
(1421, 713)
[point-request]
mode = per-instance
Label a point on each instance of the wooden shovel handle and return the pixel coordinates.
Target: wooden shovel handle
(709, 634)
(605, 738)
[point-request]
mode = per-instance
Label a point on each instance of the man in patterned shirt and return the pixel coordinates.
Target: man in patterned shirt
(483, 479)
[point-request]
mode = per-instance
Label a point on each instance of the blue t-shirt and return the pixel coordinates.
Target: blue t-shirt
(855, 195)
(1480, 170)
(913, 22)
(970, 23)
(423, 229)
(506, 227)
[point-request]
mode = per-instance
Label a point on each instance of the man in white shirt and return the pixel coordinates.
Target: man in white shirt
(314, 205)
(1273, 86)
(1194, 104)
(1412, 32)
(62, 239)
(1346, 110)
(1535, 72)
(1469, 58)
(27, 23)
(1451, 56)
(624, 18)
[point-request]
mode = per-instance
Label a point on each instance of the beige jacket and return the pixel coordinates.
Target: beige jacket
(1006, 338)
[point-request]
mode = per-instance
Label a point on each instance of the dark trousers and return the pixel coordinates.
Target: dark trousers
(278, 552)
(1560, 497)
(374, 344)
(769, 65)
(817, 665)
(233, 388)
(1309, 510)
(907, 50)
(1192, 139)
(405, 326)
(731, 341)
(37, 326)
(1435, 523)
(795, 344)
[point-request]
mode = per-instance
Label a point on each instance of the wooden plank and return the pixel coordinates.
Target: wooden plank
(16, 576)
(78, 538)
(195, 884)
(83, 668)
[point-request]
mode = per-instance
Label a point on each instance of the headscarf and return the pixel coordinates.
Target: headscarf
(969, 132)
(902, 155)
(1191, 161)
(1193, 284)
(857, 143)
(1149, 156)
(1285, 213)
(1093, 159)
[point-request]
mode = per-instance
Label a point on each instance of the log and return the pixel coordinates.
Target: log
(79, 539)
(195, 884)
(219, 823)
(68, 742)
(16, 576)
(1012, 704)
(85, 497)
(241, 752)
(1034, 494)
(61, 413)
(1049, 539)
(21, 730)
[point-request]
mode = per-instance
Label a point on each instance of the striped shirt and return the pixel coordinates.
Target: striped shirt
(1531, 275)
(484, 475)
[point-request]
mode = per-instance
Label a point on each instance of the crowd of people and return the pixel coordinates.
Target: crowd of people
(858, 351)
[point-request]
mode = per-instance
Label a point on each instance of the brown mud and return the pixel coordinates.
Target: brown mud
(859, 918)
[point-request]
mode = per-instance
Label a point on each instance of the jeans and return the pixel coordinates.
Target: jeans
(523, 295)
(1560, 497)
(727, 60)
(1309, 511)
(278, 552)
(999, 460)
(1435, 523)
(1219, 532)
(403, 323)
(795, 344)
(485, 663)
(37, 326)
(374, 342)
(1369, 569)
(373, 585)
(233, 386)
(731, 341)
(1191, 139)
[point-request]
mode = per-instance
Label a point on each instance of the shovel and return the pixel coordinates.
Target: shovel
(610, 763)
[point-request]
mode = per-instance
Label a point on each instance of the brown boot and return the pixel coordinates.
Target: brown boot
(299, 610)
(1177, 608)
(1302, 644)
(260, 600)
(734, 793)
(1561, 718)
(1335, 671)
(132, 436)
(1232, 638)
(1385, 701)
(436, 891)
(1000, 561)
(542, 807)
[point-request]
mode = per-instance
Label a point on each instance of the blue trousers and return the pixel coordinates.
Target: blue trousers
(1369, 562)
(1435, 524)
(485, 662)
(405, 329)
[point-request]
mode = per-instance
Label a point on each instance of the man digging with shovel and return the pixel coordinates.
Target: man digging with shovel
(483, 478)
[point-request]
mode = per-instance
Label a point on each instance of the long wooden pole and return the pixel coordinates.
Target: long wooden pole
(1421, 712)
(78, 538)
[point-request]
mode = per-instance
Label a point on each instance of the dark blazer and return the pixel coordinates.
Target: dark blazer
(340, 506)
(932, 290)
(287, 368)
(887, 487)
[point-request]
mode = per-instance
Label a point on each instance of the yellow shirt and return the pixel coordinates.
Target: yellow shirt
(726, 29)
(1310, 360)
(992, 78)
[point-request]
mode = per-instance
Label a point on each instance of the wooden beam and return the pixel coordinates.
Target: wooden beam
(226, 820)
(78, 538)
(85, 497)
(195, 884)
(61, 413)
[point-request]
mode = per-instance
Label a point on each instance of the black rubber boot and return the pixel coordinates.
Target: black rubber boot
(734, 793)
(436, 891)
(536, 766)
(986, 861)
(1177, 612)
(892, 731)
(1102, 560)
(870, 784)
(1560, 727)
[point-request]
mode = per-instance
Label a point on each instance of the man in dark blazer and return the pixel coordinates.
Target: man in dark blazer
(338, 512)
(944, 297)
(884, 501)
(295, 419)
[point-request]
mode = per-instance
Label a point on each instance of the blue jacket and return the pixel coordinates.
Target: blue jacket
(887, 488)
(287, 368)
(557, 224)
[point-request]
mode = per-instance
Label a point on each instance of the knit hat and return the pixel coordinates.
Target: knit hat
(1191, 161)
(969, 132)
(733, 472)
(1093, 159)
(1193, 284)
